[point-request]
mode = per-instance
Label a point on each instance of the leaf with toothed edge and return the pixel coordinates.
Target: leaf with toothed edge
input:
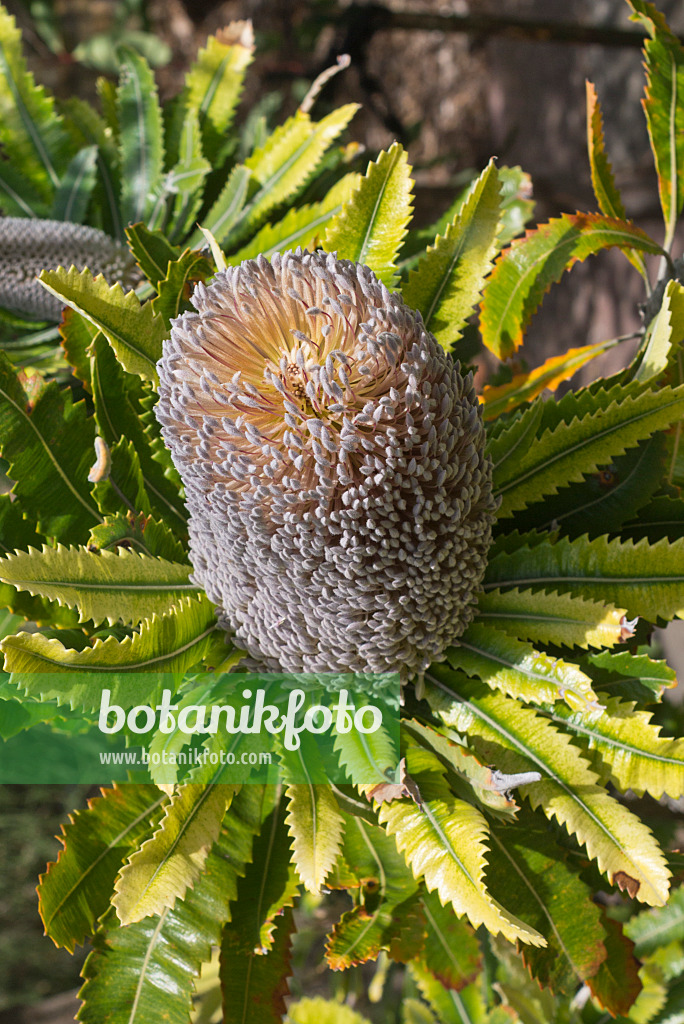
(518, 739)
(525, 271)
(109, 586)
(171, 643)
(315, 824)
(551, 618)
(74, 891)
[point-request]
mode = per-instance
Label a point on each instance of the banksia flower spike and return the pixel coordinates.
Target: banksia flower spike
(333, 461)
(29, 245)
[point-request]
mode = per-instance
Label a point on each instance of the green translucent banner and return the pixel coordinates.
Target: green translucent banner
(231, 728)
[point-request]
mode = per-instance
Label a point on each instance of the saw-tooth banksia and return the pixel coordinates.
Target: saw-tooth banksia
(29, 245)
(333, 461)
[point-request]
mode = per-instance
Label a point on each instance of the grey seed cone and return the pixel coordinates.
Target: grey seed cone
(333, 461)
(29, 245)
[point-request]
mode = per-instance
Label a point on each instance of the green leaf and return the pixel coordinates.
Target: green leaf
(550, 618)
(315, 823)
(604, 500)
(444, 841)
(186, 180)
(109, 586)
(142, 146)
(76, 335)
(135, 332)
(48, 443)
(451, 1007)
(174, 290)
(366, 757)
(226, 211)
(519, 740)
(631, 752)
(613, 670)
(122, 489)
(372, 225)
(666, 334)
(152, 251)
(169, 862)
(45, 669)
(322, 1011)
(527, 868)
(146, 971)
(518, 669)
(214, 83)
(446, 284)
(567, 451)
(662, 517)
(18, 197)
(146, 535)
(90, 129)
(119, 398)
(517, 204)
(451, 951)
(664, 111)
(646, 579)
(75, 890)
(384, 883)
(525, 270)
(652, 929)
(301, 225)
(254, 985)
(31, 132)
(73, 195)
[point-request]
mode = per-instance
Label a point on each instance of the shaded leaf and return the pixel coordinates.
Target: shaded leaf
(254, 985)
(75, 890)
(73, 195)
(152, 251)
(652, 929)
(141, 141)
(186, 180)
(174, 290)
(616, 984)
(48, 443)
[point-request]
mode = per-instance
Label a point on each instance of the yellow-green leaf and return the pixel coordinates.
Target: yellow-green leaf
(551, 618)
(316, 825)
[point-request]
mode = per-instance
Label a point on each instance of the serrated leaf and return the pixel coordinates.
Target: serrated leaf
(146, 535)
(385, 884)
(525, 386)
(226, 211)
(551, 618)
(451, 1007)
(518, 669)
(366, 757)
(254, 985)
(109, 586)
(666, 334)
(75, 890)
(74, 192)
(525, 271)
(664, 111)
(141, 139)
(214, 83)
(631, 752)
(185, 181)
(47, 441)
(169, 862)
(662, 517)
(31, 132)
(452, 952)
(45, 669)
(612, 671)
(604, 500)
(372, 224)
(174, 290)
(445, 286)
(122, 488)
(76, 334)
(646, 579)
(18, 198)
(146, 971)
(152, 250)
(569, 450)
(301, 226)
(527, 868)
(444, 841)
(91, 130)
(315, 823)
(652, 929)
(520, 740)
(133, 330)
